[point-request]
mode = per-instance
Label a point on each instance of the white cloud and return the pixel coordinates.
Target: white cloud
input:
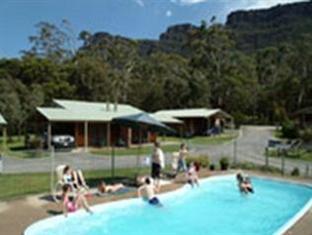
(168, 13)
(247, 3)
(139, 2)
(256, 4)
(190, 2)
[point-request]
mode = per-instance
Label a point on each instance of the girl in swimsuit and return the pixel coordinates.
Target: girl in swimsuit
(191, 175)
(73, 203)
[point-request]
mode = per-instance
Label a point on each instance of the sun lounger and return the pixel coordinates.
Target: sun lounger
(57, 189)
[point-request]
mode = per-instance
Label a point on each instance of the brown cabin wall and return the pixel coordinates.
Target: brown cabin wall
(97, 133)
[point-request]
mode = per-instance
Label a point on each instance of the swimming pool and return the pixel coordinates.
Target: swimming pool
(213, 209)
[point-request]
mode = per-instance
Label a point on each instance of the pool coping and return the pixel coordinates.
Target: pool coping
(293, 220)
(100, 207)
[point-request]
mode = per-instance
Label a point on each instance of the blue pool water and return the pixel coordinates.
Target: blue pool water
(216, 208)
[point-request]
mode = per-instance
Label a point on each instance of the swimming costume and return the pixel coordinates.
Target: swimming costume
(154, 201)
(71, 206)
(156, 170)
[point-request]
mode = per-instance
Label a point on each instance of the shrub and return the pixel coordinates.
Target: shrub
(289, 130)
(224, 163)
(35, 143)
(202, 160)
(253, 166)
(295, 172)
(306, 135)
(245, 165)
(270, 169)
(212, 167)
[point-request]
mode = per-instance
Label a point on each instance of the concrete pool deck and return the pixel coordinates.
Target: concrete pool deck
(17, 215)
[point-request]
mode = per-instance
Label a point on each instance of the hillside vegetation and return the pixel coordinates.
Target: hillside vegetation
(258, 67)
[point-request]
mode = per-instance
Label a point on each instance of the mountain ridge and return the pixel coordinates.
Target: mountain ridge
(252, 30)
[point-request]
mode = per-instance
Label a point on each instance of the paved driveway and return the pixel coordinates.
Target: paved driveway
(250, 147)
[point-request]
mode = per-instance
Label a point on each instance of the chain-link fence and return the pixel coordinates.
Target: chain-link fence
(22, 175)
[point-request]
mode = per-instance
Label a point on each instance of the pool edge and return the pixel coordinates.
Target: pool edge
(280, 231)
(292, 221)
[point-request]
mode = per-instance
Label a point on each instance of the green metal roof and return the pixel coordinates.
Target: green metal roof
(2, 120)
(192, 113)
(71, 110)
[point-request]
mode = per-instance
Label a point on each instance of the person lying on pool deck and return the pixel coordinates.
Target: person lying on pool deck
(191, 175)
(147, 192)
(106, 188)
(244, 183)
(72, 203)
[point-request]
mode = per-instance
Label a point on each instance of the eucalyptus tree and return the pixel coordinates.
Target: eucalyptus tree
(56, 43)
(120, 53)
(90, 79)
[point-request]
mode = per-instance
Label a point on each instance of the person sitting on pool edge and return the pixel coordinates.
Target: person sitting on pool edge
(73, 203)
(106, 188)
(244, 183)
(149, 189)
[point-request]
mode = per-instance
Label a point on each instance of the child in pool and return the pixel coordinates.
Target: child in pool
(244, 183)
(149, 190)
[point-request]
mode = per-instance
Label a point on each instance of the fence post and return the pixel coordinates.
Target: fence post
(113, 161)
(52, 155)
(235, 152)
(1, 164)
(283, 163)
(307, 170)
(266, 158)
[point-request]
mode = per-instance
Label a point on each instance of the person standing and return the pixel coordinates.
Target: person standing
(158, 163)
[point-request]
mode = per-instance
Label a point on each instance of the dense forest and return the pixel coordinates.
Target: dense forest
(257, 66)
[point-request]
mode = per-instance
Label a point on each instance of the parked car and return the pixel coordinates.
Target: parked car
(61, 141)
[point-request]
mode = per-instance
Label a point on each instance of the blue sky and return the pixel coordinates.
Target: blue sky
(131, 18)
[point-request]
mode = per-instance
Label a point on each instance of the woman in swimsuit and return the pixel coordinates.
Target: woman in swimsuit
(74, 178)
(73, 203)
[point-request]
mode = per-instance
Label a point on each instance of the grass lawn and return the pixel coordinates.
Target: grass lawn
(14, 142)
(28, 153)
(19, 185)
(207, 140)
(219, 139)
(134, 150)
(16, 148)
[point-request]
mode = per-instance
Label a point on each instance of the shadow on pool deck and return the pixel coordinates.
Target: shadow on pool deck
(17, 215)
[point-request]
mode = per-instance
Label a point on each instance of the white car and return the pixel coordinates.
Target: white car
(63, 141)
